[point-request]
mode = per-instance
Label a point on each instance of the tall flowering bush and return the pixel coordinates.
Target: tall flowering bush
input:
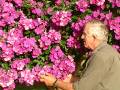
(39, 36)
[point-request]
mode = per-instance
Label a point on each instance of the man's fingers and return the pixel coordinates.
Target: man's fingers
(69, 76)
(42, 80)
(42, 76)
(48, 74)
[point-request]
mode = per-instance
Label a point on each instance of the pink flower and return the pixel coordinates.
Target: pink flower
(20, 64)
(14, 35)
(36, 72)
(72, 42)
(7, 52)
(24, 45)
(82, 5)
(54, 36)
(6, 81)
(97, 2)
(27, 77)
(41, 26)
(36, 52)
(29, 43)
(2, 23)
(115, 3)
(37, 11)
(77, 26)
(18, 2)
(61, 18)
(58, 2)
(50, 10)
(27, 23)
(56, 54)
(44, 41)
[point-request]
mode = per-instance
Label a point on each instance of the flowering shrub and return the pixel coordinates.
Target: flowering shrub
(39, 36)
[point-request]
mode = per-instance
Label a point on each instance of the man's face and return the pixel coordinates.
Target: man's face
(87, 38)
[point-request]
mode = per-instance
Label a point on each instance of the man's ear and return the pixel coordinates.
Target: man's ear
(94, 36)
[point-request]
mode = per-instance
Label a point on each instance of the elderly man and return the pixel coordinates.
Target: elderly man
(103, 71)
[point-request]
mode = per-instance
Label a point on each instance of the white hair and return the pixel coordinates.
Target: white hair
(98, 29)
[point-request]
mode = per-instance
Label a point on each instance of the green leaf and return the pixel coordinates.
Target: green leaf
(5, 66)
(45, 17)
(74, 18)
(88, 11)
(107, 6)
(63, 45)
(26, 4)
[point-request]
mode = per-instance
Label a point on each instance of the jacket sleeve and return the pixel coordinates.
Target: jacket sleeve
(93, 74)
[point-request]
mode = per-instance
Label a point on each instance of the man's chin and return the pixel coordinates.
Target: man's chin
(87, 47)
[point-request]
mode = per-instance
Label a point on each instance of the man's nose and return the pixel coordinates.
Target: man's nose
(82, 37)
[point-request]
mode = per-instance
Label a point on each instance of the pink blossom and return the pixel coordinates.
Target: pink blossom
(72, 42)
(36, 71)
(29, 43)
(27, 77)
(2, 23)
(54, 36)
(61, 18)
(20, 64)
(56, 54)
(97, 2)
(50, 10)
(6, 80)
(82, 5)
(44, 41)
(58, 2)
(77, 26)
(37, 11)
(36, 52)
(41, 26)
(115, 3)
(14, 34)
(18, 2)
(24, 45)
(7, 52)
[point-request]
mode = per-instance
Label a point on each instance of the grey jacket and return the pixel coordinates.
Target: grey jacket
(103, 71)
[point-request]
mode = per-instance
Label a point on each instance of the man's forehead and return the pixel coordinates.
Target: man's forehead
(89, 27)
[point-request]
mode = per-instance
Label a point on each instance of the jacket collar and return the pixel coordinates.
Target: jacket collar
(101, 45)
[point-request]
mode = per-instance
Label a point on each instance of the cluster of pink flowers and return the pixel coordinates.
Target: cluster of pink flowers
(82, 5)
(59, 2)
(24, 45)
(7, 79)
(77, 26)
(31, 29)
(56, 54)
(97, 2)
(26, 76)
(115, 25)
(115, 3)
(7, 53)
(61, 18)
(40, 27)
(20, 64)
(65, 66)
(72, 42)
(62, 63)
(49, 38)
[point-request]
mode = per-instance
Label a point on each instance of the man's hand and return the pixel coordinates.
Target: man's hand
(68, 78)
(48, 79)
